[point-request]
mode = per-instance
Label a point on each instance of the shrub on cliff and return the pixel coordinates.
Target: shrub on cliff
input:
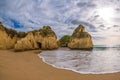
(64, 41)
(47, 31)
(21, 34)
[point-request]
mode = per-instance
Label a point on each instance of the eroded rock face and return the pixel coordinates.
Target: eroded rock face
(46, 38)
(39, 39)
(7, 41)
(27, 43)
(80, 39)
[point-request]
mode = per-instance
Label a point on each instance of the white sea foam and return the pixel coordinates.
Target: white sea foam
(84, 62)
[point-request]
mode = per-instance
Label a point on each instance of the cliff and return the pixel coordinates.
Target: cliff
(80, 39)
(7, 41)
(27, 43)
(44, 38)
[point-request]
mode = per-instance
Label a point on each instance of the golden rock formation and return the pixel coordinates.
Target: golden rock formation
(6, 41)
(80, 39)
(46, 38)
(27, 43)
(39, 39)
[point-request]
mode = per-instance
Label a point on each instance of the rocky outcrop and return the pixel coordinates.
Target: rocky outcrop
(39, 39)
(27, 43)
(7, 41)
(63, 42)
(80, 39)
(46, 38)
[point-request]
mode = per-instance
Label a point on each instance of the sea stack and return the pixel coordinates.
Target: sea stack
(80, 39)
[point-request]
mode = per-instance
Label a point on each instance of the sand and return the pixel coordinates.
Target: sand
(28, 66)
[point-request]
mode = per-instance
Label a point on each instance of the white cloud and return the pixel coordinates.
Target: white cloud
(60, 14)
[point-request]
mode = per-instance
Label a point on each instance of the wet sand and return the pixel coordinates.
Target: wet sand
(28, 66)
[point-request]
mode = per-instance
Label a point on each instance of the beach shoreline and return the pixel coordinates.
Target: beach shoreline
(28, 66)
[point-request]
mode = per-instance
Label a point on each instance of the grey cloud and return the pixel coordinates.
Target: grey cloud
(98, 37)
(117, 9)
(101, 26)
(116, 25)
(85, 4)
(90, 27)
(56, 13)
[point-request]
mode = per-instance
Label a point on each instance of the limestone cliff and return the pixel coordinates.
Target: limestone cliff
(46, 38)
(80, 39)
(7, 41)
(27, 43)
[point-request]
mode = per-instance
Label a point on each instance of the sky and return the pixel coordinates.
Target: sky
(101, 18)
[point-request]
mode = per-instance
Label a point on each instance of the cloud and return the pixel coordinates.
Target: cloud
(62, 15)
(86, 4)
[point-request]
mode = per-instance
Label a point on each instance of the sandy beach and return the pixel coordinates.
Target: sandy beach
(28, 66)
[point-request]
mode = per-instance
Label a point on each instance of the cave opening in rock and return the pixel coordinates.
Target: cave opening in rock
(39, 45)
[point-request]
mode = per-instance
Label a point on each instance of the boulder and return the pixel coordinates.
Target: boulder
(80, 39)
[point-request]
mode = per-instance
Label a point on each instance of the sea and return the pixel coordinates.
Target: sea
(101, 60)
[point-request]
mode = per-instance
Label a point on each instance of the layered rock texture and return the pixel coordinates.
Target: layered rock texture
(39, 39)
(44, 38)
(80, 39)
(27, 43)
(7, 38)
